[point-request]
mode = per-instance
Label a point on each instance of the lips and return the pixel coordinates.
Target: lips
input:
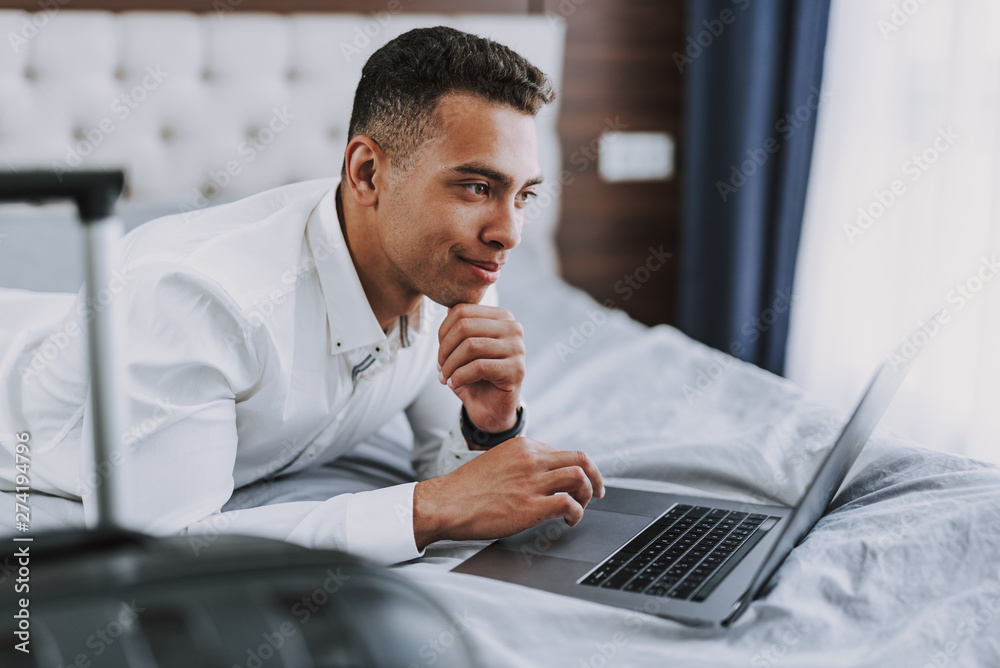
(488, 266)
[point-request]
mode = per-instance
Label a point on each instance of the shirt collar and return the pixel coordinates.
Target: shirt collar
(350, 320)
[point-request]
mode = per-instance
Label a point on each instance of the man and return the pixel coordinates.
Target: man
(271, 335)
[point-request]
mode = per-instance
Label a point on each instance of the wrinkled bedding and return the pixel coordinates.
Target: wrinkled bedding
(904, 570)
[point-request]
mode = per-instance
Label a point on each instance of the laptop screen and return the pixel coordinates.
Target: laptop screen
(838, 462)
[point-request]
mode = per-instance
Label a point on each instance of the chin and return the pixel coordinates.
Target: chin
(450, 298)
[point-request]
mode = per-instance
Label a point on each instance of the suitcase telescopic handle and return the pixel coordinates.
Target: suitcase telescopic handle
(95, 194)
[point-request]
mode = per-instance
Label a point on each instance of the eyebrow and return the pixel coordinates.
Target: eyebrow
(479, 169)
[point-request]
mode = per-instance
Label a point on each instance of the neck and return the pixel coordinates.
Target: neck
(388, 299)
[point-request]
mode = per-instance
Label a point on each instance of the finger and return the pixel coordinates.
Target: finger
(469, 328)
(462, 311)
(567, 458)
(505, 374)
(564, 506)
(479, 348)
(572, 480)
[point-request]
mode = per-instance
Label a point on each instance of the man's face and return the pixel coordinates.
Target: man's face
(448, 225)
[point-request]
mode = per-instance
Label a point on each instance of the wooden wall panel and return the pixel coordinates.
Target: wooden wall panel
(619, 66)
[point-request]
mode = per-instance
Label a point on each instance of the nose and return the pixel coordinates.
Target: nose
(503, 229)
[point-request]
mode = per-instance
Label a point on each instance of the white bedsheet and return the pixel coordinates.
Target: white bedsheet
(904, 571)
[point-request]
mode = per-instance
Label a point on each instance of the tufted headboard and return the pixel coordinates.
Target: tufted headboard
(206, 108)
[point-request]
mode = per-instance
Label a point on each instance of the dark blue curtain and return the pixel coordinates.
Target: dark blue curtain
(752, 71)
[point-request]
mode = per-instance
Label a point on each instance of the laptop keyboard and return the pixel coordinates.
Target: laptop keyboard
(682, 555)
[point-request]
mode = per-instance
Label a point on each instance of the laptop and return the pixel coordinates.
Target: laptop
(694, 559)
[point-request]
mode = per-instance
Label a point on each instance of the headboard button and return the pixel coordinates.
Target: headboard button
(30, 73)
(166, 133)
(120, 73)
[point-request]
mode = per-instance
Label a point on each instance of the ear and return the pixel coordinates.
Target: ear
(366, 165)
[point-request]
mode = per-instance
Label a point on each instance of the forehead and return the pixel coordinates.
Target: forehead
(471, 129)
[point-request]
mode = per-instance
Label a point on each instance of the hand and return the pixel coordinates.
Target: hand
(507, 489)
(481, 358)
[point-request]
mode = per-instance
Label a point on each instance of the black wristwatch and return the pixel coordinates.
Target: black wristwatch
(485, 439)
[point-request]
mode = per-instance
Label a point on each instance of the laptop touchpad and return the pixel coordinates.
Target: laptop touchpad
(597, 535)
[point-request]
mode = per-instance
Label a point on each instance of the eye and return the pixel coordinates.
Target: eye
(477, 189)
(527, 195)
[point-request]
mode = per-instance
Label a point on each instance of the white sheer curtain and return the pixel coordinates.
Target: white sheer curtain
(911, 137)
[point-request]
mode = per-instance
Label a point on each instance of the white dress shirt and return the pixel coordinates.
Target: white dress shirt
(251, 351)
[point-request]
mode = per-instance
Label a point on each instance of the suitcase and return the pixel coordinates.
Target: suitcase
(108, 596)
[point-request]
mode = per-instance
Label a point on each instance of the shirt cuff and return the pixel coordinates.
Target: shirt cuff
(455, 450)
(380, 524)
(376, 525)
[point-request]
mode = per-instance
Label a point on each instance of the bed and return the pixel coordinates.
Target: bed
(903, 571)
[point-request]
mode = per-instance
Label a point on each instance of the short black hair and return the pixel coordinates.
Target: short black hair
(402, 83)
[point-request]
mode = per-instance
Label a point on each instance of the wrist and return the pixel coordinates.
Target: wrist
(428, 523)
(484, 437)
(494, 425)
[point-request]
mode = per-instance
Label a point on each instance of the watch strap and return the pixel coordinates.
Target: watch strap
(485, 439)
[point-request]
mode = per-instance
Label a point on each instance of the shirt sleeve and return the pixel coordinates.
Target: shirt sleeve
(376, 525)
(435, 418)
(190, 357)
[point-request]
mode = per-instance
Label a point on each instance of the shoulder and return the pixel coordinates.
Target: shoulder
(242, 249)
